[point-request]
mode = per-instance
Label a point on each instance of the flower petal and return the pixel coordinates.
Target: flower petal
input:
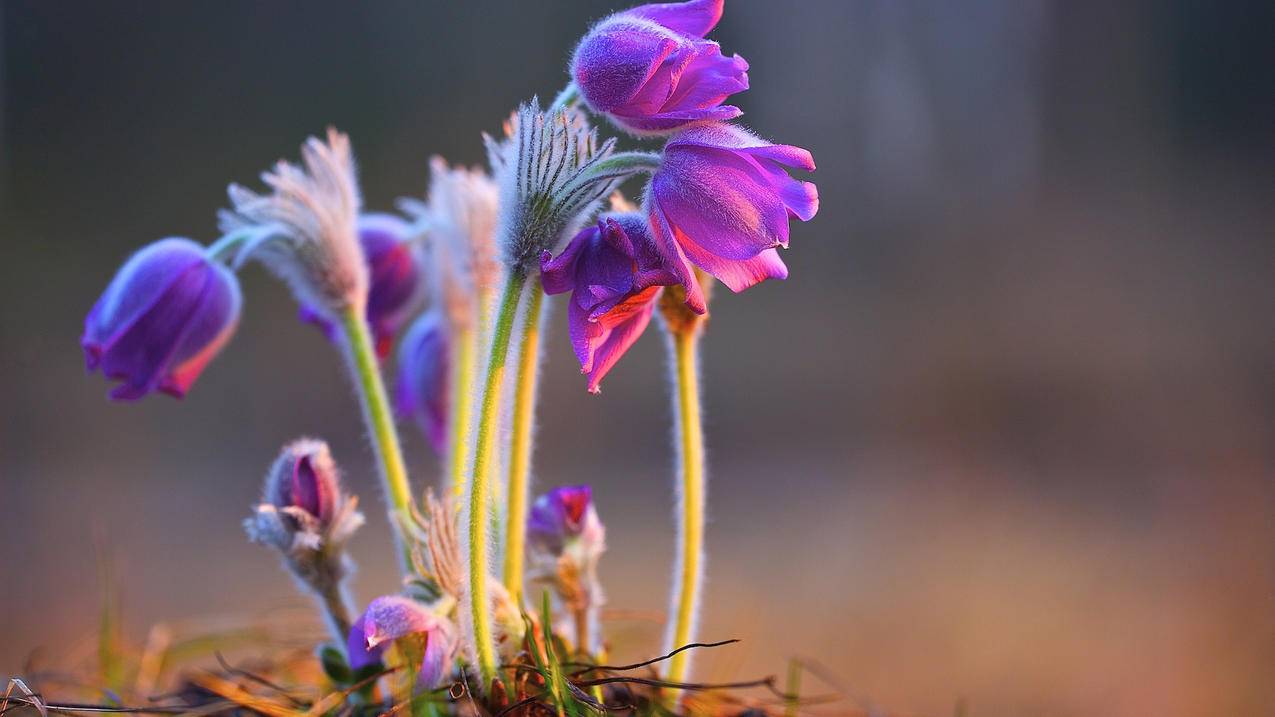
(694, 18)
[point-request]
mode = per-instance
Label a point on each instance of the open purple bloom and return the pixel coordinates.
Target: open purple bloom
(563, 516)
(163, 317)
(394, 275)
(392, 617)
(422, 392)
(614, 273)
(721, 200)
(650, 70)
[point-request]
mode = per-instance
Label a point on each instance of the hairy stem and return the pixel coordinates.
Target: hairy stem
(464, 350)
(366, 374)
(524, 411)
(480, 479)
(685, 595)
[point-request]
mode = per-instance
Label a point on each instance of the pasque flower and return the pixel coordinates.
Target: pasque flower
(565, 540)
(306, 515)
(163, 317)
(650, 71)
(395, 276)
(392, 617)
(422, 392)
(614, 272)
(721, 200)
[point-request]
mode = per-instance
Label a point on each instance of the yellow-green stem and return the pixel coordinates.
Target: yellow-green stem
(686, 586)
(480, 478)
(366, 373)
(520, 442)
(464, 349)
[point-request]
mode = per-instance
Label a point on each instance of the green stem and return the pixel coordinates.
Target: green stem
(480, 478)
(520, 443)
(380, 426)
(464, 349)
(686, 586)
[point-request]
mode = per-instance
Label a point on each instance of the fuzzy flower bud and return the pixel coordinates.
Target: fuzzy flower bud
(565, 540)
(396, 279)
(303, 511)
(422, 392)
(552, 175)
(459, 220)
(614, 273)
(721, 201)
(306, 230)
(392, 618)
(649, 70)
(163, 317)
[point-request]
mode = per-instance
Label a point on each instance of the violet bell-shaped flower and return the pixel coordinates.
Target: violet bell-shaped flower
(391, 618)
(396, 279)
(721, 200)
(614, 273)
(649, 70)
(422, 392)
(164, 316)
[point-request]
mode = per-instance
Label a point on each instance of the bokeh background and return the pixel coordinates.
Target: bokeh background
(1005, 438)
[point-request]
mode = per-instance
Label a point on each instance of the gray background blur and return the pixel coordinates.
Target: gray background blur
(1006, 434)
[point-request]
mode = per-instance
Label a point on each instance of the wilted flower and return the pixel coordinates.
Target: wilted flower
(565, 540)
(614, 273)
(459, 220)
(721, 200)
(650, 71)
(552, 175)
(390, 618)
(395, 278)
(163, 317)
(423, 389)
(306, 230)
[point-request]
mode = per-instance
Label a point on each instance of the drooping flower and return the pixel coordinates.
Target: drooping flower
(422, 392)
(392, 617)
(552, 176)
(306, 230)
(459, 220)
(396, 279)
(164, 316)
(565, 541)
(614, 272)
(650, 71)
(303, 508)
(721, 200)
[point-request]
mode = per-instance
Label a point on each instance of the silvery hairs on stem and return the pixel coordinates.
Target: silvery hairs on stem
(459, 221)
(552, 175)
(305, 230)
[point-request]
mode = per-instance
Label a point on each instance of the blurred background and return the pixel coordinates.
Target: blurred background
(1005, 438)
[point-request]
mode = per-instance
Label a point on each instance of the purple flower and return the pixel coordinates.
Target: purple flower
(614, 273)
(721, 200)
(163, 317)
(303, 508)
(423, 389)
(394, 275)
(392, 617)
(565, 516)
(650, 70)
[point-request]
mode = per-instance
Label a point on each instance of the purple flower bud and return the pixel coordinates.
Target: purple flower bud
(163, 317)
(392, 617)
(651, 72)
(614, 273)
(564, 517)
(303, 507)
(423, 389)
(395, 279)
(721, 200)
